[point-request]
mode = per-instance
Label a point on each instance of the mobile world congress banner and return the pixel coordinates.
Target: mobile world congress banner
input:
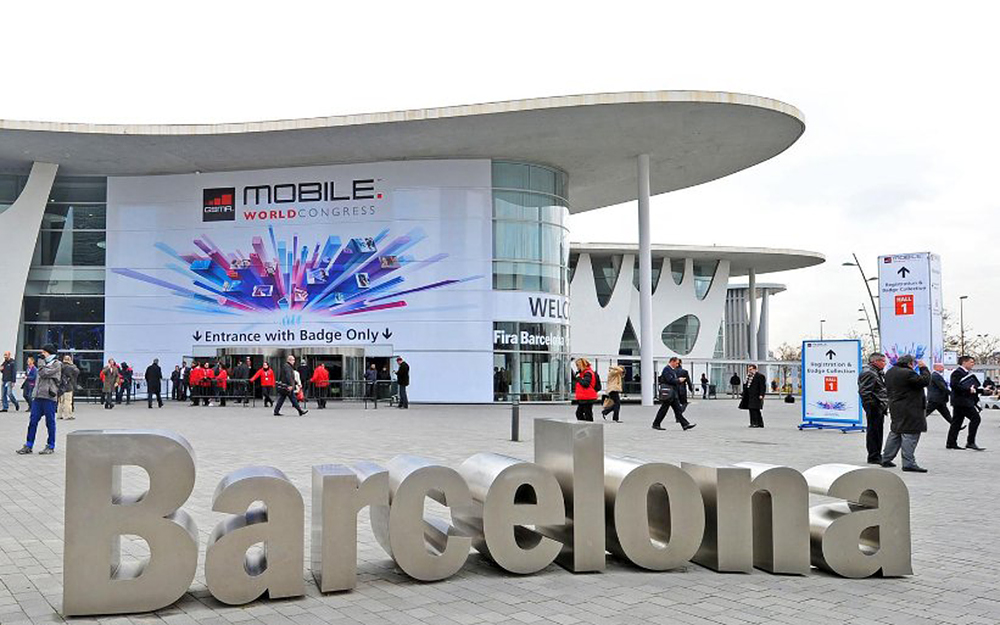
(394, 257)
(830, 372)
(910, 306)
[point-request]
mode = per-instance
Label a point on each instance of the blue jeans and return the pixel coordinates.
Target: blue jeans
(40, 408)
(8, 392)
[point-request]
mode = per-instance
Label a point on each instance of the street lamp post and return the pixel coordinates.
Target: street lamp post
(871, 331)
(868, 288)
(961, 320)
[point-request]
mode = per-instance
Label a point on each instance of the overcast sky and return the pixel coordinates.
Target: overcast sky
(900, 99)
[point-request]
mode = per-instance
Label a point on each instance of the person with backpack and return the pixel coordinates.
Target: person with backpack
(67, 386)
(586, 385)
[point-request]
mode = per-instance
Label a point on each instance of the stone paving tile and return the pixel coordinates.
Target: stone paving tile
(955, 554)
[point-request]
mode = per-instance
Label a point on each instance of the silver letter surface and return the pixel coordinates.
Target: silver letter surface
(338, 494)
(507, 495)
(94, 580)
(869, 531)
(574, 452)
(780, 519)
(656, 511)
(427, 549)
(235, 576)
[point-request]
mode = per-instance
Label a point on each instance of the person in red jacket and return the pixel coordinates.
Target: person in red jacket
(321, 382)
(196, 375)
(207, 383)
(584, 390)
(221, 380)
(266, 376)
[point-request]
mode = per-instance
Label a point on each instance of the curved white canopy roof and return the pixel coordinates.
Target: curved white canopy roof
(691, 136)
(741, 259)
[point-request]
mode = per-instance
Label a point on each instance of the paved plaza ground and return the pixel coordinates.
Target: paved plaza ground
(955, 507)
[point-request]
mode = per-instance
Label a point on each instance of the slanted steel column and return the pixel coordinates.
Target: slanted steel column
(752, 294)
(646, 340)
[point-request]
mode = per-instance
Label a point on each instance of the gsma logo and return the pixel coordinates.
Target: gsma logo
(219, 204)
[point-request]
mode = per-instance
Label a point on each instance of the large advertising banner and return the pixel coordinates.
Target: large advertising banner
(394, 257)
(830, 372)
(910, 306)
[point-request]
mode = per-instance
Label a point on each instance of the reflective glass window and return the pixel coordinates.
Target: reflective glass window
(60, 287)
(681, 335)
(677, 270)
(73, 309)
(606, 270)
(79, 189)
(657, 269)
(65, 337)
(75, 217)
(704, 272)
(72, 247)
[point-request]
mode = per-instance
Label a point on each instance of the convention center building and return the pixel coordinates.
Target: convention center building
(439, 235)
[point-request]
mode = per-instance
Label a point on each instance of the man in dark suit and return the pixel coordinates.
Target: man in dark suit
(937, 393)
(684, 378)
(670, 396)
(154, 380)
(752, 398)
(964, 399)
(908, 418)
(286, 387)
(403, 380)
(875, 401)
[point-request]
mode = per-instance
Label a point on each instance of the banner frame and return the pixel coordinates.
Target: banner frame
(826, 423)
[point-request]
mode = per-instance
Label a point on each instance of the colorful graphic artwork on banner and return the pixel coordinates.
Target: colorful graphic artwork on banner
(830, 385)
(910, 306)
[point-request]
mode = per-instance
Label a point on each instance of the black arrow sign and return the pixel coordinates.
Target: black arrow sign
(386, 333)
(196, 336)
(903, 271)
(830, 354)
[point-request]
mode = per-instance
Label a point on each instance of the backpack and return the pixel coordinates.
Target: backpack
(597, 383)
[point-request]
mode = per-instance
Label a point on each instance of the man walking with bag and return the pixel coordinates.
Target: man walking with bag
(669, 392)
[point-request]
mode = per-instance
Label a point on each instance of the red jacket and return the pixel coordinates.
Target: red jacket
(266, 376)
(222, 378)
(320, 377)
(207, 375)
(582, 390)
(196, 375)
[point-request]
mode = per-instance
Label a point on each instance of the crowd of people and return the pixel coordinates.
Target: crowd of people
(908, 393)
(48, 387)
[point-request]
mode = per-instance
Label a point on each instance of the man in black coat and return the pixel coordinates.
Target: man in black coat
(937, 393)
(685, 383)
(286, 387)
(153, 378)
(241, 374)
(403, 379)
(752, 397)
(908, 418)
(875, 401)
(670, 396)
(964, 399)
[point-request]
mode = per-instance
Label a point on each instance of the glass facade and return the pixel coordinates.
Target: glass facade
(64, 297)
(530, 237)
(530, 253)
(681, 335)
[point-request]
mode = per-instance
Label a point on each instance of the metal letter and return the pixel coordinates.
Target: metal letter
(574, 452)
(427, 549)
(780, 519)
(338, 494)
(869, 531)
(508, 494)
(728, 542)
(94, 579)
(656, 511)
(235, 576)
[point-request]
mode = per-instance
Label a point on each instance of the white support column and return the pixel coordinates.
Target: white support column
(19, 226)
(752, 334)
(646, 339)
(763, 324)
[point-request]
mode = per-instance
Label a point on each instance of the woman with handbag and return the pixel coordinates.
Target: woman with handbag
(613, 400)
(584, 390)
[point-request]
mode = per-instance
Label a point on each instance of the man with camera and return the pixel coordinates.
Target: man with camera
(43, 402)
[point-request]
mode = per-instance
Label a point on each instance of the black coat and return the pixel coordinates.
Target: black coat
(753, 392)
(937, 392)
(403, 374)
(684, 386)
(906, 399)
(153, 376)
(286, 377)
(964, 385)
